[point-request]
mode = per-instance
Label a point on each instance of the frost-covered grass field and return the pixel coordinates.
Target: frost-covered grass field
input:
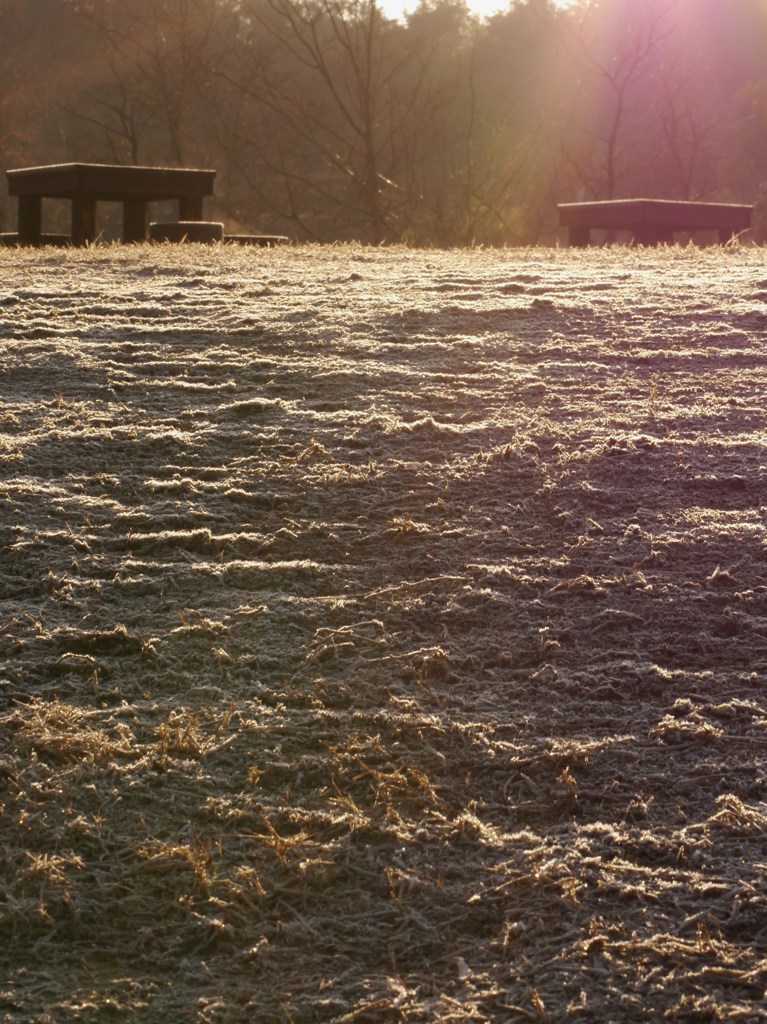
(384, 635)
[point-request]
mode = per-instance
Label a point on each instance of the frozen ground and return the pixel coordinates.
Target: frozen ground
(384, 636)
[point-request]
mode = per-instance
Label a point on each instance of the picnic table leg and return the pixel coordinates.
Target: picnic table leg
(134, 220)
(30, 219)
(652, 234)
(579, 237)
(83, 220)
(190, 208)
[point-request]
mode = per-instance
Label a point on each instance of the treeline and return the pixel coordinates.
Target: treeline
(326, 120)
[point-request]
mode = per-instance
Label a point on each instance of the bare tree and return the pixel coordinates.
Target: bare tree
(345, 120)
(345, 100)
(616, 42)
(685, 133)
(154, 51)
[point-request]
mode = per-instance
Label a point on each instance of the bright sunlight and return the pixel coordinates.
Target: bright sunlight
(482, 8)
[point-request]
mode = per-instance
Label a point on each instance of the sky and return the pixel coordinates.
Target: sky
(484, 8)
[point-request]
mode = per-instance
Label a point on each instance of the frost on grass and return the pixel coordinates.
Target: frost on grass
(384, 635)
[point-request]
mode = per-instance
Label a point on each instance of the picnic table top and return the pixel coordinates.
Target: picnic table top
(109, 181)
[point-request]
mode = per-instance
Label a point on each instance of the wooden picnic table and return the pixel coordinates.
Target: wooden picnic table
(87, 184)
(653, 221)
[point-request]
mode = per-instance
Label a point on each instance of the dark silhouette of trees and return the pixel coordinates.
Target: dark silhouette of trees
(326, 120)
